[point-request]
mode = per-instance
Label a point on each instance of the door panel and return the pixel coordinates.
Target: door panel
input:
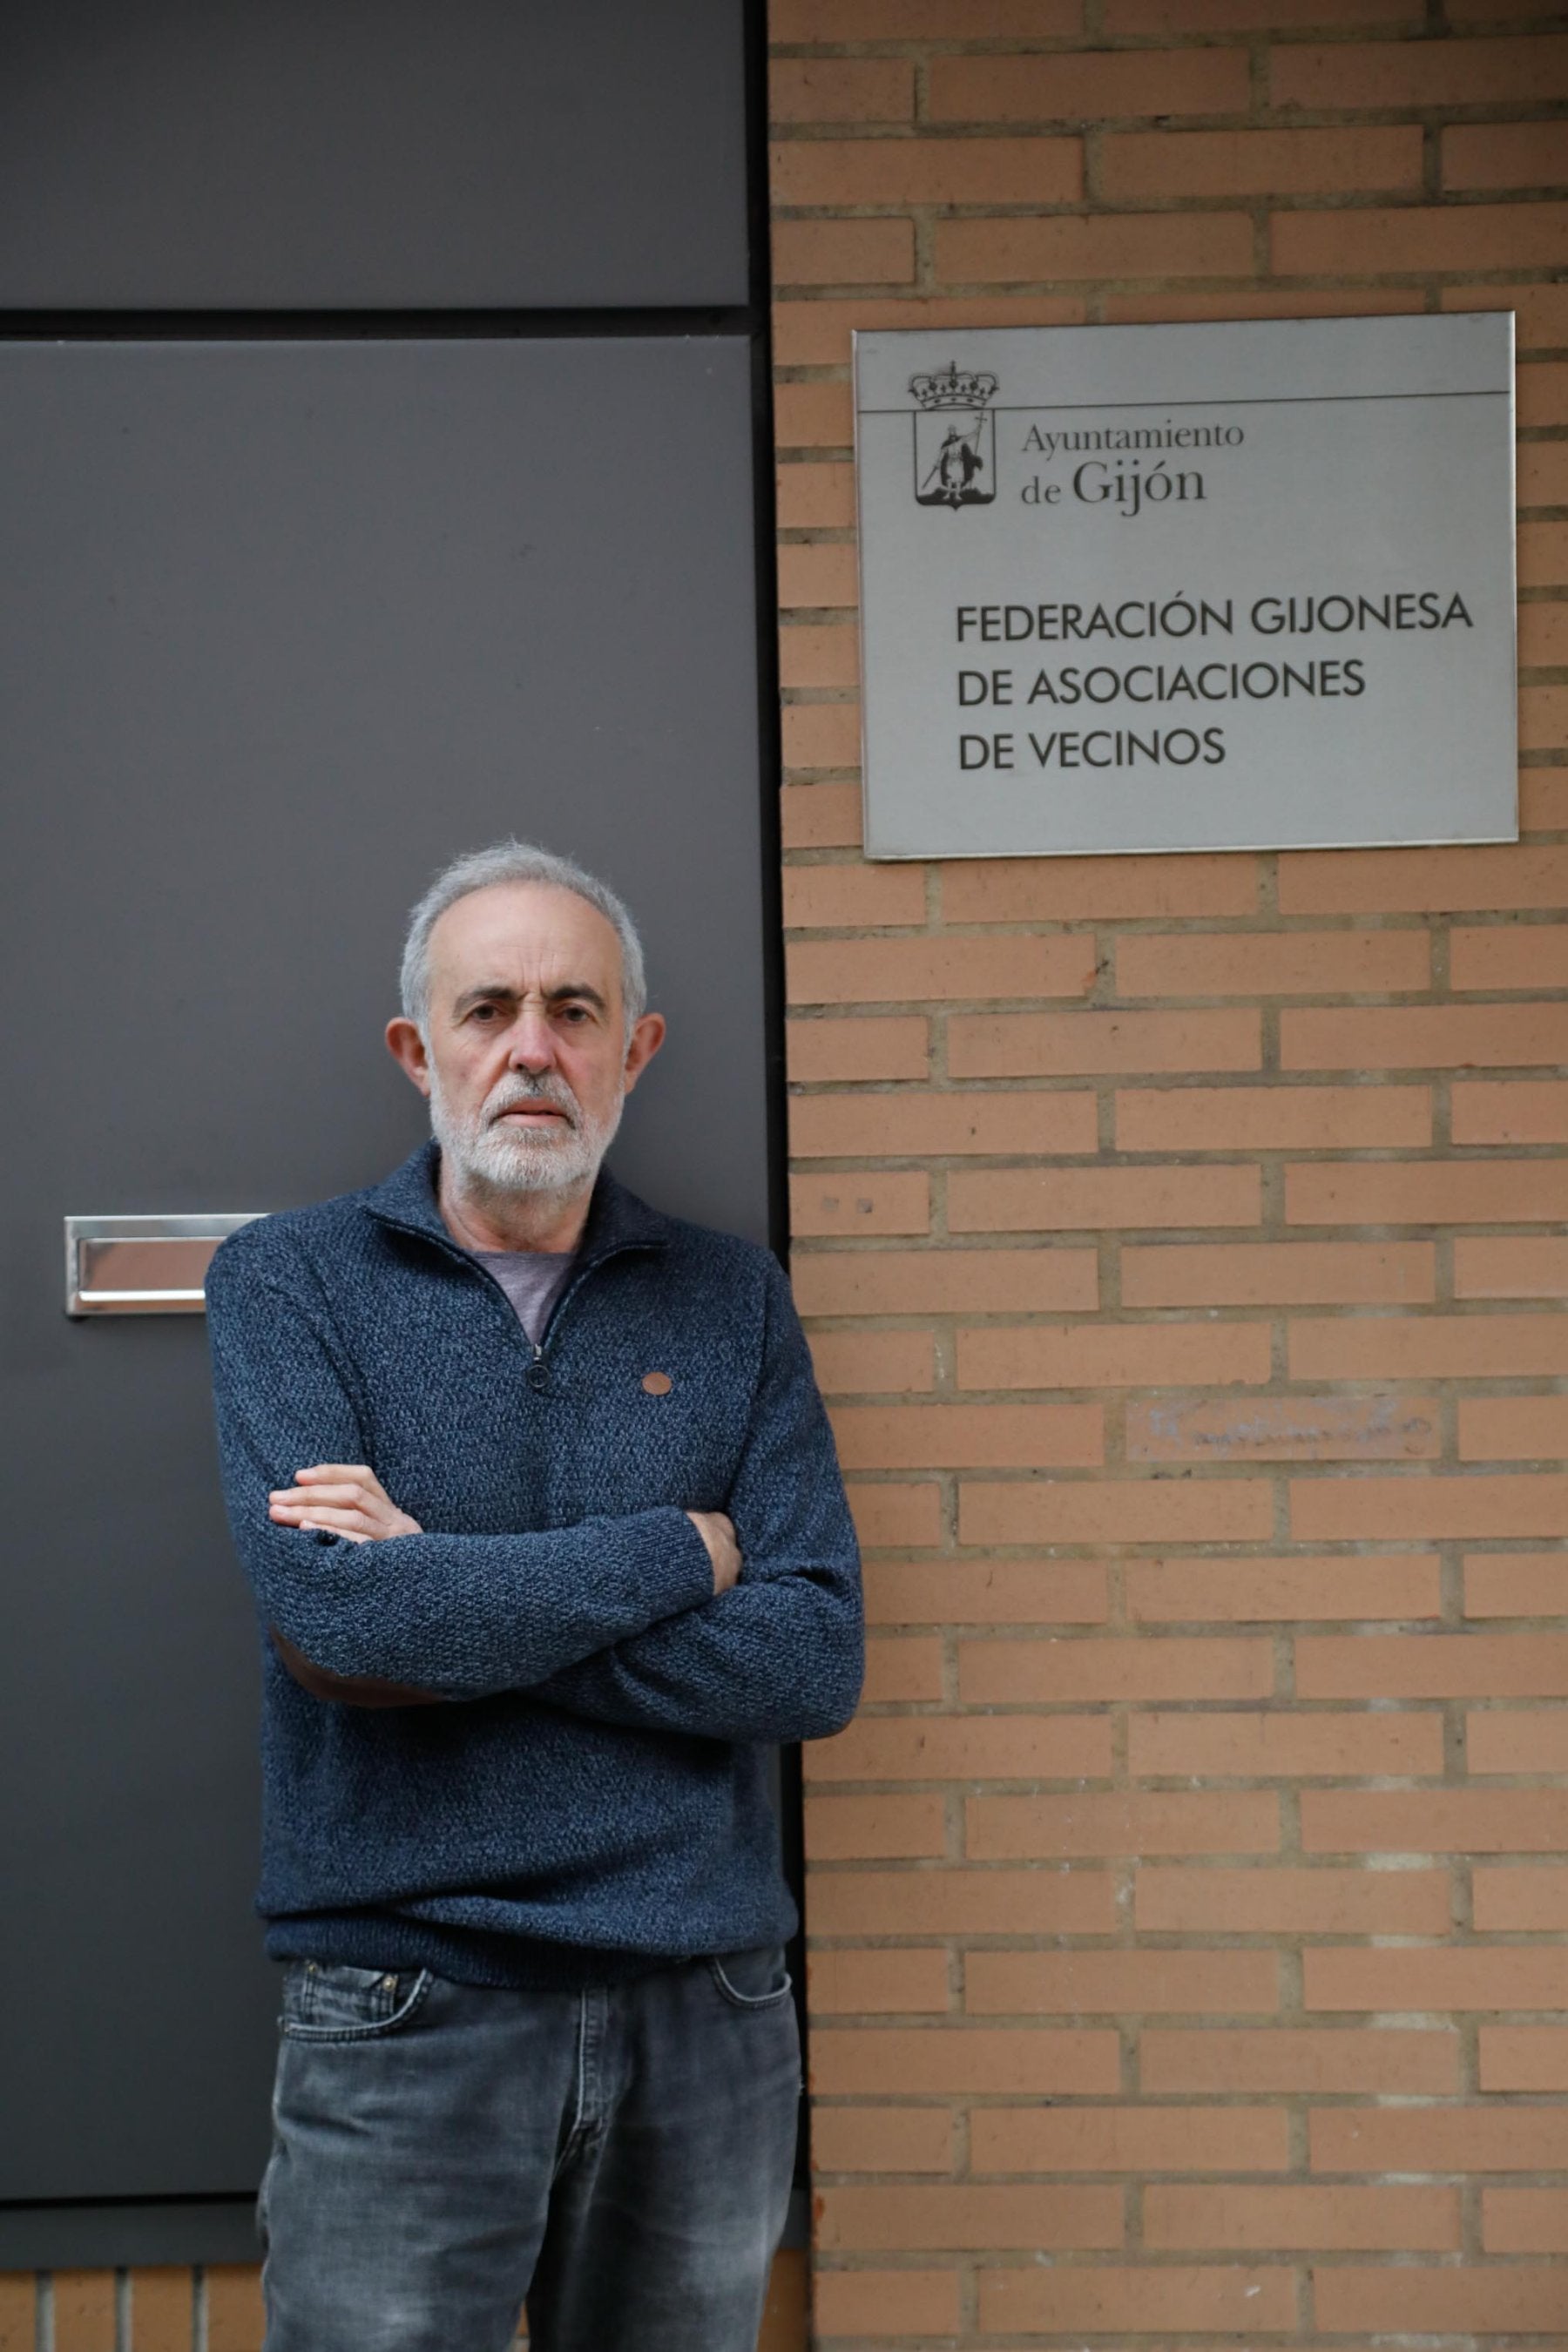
(283, 627)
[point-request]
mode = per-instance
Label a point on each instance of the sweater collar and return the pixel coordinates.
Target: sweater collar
(617, 1219)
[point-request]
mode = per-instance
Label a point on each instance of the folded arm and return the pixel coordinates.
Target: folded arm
(455, 1616)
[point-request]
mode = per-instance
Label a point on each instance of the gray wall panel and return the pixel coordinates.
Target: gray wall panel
(235, 154)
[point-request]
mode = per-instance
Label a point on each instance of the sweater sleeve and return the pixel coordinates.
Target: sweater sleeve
(781, 1656)
(462, 1615)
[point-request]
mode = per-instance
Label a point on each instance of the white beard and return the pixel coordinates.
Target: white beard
(487, 1157)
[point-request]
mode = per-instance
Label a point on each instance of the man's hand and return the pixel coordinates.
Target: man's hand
(345, 1498)
(724, 1547)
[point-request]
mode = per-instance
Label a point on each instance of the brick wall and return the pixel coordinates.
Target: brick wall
(1181, 1244)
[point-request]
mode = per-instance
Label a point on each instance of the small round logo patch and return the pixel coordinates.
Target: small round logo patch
(658, 1383)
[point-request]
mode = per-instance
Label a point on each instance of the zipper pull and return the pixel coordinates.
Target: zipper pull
(539, 1370)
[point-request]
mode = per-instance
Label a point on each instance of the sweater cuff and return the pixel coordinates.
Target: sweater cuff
(683, 1577)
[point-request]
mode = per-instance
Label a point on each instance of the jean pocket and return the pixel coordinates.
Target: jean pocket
(326, 2001)
(752, 1979)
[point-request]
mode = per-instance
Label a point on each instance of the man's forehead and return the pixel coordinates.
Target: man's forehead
(522, 929)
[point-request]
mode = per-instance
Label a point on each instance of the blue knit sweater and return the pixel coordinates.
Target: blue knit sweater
(595, 1799)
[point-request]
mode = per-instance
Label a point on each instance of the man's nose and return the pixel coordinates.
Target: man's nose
(532, 1044)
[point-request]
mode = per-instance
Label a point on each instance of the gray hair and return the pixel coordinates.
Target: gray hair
(515, 861)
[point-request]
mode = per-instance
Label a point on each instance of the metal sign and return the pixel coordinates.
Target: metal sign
(1229, 586)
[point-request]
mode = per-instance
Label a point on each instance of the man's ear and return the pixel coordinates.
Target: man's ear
(408, 1049)
(643, 1043)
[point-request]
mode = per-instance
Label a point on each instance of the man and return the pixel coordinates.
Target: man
(544, 1523)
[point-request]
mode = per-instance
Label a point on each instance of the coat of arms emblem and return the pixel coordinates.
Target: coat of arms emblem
(955, 438)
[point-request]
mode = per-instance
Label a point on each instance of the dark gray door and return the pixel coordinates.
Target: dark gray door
(283, 626)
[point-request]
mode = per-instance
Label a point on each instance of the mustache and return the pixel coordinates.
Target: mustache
(522, 1093)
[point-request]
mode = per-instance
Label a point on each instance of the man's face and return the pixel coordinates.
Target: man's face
(525, 1056)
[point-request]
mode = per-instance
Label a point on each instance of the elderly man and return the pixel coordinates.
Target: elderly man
(545, 1531)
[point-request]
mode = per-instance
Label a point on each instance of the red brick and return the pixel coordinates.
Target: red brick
(814, 417)
(1439, 2140)
(1462, 1192)
(819, 817)
(1095, 889)
(1287, 1274)
(17, 2307)
(851, 897)
(966, 1436)
(1517, 1739)
(990, 1592)
(1284, 1429)
(881, 2139)
(161, 2311)
(871, 971)
(1399, 2060)
(849, 1363)
(1507, 2299)
(1518, 1901)
(1080, 2300)
(1272, 1118)
(1270, 2220)
(929, 2218)
(1543, 628)
(943, 1282)
(1088, 86)
(84, 2311)
(1425, 1509)
(1109, 1511)
(964, 1902)
(1128, 2139)
(940, 1125)
(1524, 2220)
(1504, 1110)
(901, 1513)
(1513, 1429)
(820, 734)
(843, 172)
(1250, 16)
(1272, 963)
(819, 574)
(1540, 479)
(843, 253)
(1070, 1983)
(1529, 956)
(1007, 1199)
(816, 333)
(1063, 1044)
(885, 1046)
(1429, 1348)
(1413, 1037)
(234, 2315)
(858, 1201)
(1178, 1592)
(1208, 1666)
(841, 89)
(912, 2062)
(1015, 248)
(1419, 73)
(1187, 1744)
(1188, 1901)
(902, 1670)
(1543, 791)
(1434, 1820)
(917, 20)
(1523, 2058)
(1540, 311)
(1432, 1666)
(1541, 550)
(1517, 1584)
(827, 654)
(1411, 236)
(1420, 881)
(1504, 155)
(964, 1748)
(1412, 1978)
(815, 497)
(1260, 302)
(1116, 1355)
(1011, 1829)
(1505, 1267)
(867, 1984)
(868, 2303)
(1140, 165)
(859, 1828)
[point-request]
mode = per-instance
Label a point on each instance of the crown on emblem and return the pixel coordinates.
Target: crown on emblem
(954, 387)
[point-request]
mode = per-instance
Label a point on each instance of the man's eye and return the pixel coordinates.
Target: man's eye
(576, 1014)
(485, 1013)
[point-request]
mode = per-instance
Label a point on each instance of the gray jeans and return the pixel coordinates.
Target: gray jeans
(619, 2159)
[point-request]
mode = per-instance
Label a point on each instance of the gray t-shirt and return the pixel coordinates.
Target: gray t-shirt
(532, 1279)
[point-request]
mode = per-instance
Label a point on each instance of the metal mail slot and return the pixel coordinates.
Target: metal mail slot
(143, 1266)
